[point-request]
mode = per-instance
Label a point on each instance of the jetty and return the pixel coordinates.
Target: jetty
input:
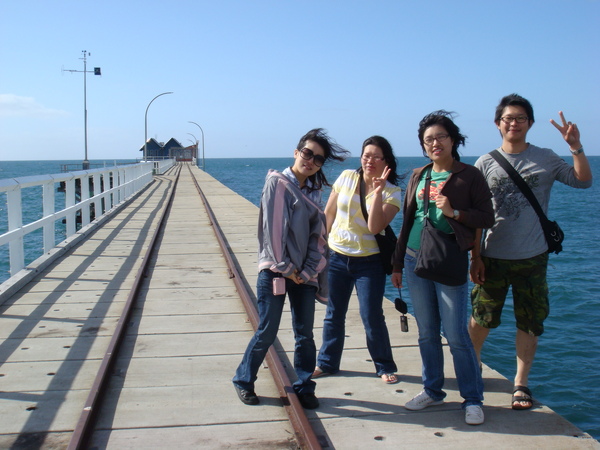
(168, 384)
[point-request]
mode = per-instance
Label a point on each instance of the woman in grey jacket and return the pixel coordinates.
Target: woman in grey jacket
(459, 202)
(293, 253)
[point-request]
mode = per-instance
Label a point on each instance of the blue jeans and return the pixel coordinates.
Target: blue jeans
(436, 305)
(366, 273)
(270, 308)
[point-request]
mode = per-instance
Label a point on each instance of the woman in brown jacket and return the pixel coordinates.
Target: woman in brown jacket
(459, 202)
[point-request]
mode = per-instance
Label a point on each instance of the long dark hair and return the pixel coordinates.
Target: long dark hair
(388, 155)
(444, 119)
(332, 151)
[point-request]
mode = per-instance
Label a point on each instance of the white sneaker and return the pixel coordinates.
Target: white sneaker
(422, 400)
(474, 415)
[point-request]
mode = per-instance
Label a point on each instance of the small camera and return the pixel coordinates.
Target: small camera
(278, 286)
(403, 323)
(402, 307)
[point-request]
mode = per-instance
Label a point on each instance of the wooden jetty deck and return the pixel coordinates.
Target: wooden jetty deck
(172, 380)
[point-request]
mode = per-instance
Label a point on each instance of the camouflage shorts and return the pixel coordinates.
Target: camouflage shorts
(529, 289)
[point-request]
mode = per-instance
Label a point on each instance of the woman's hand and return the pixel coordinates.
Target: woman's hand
(295, 278)
(397, 279)
(443, 204)
(380, 215)
(379, 182)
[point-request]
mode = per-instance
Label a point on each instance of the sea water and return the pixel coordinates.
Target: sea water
(566, 372)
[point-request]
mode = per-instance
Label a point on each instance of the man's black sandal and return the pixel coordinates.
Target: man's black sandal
(527, 397)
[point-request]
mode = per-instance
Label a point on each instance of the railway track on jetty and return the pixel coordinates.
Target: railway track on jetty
(90, 420)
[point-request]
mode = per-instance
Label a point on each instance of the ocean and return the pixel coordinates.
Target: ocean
(566, 372)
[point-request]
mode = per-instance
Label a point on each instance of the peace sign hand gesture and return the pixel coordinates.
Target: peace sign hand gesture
(379, 183)
(569, 131)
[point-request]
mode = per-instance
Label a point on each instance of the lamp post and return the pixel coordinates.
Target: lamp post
(195, 143)
(203, 164)
(146, 124)
(96, 71)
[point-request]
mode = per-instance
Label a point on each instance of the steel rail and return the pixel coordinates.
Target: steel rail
(83, 428)
(304, 433)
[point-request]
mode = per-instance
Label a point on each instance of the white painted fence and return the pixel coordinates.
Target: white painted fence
(100, 191)
(163, 165)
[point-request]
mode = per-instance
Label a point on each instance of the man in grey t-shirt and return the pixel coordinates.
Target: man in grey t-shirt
(514, 251)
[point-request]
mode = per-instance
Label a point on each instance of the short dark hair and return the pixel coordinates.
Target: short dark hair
(444, 119)
(514, 100)
(388, 155)
(332, 151)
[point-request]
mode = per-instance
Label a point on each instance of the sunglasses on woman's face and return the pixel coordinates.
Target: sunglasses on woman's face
(308, 154)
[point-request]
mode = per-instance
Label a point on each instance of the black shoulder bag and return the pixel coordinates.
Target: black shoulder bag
(554, 235)
(440, 258)
(387, 241)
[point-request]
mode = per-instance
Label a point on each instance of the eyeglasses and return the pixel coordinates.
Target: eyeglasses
(509, 119)
(372, 157)
(439, 137)
(308, 154)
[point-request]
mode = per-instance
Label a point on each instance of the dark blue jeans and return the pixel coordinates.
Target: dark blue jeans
(270, 308)
(366, 273)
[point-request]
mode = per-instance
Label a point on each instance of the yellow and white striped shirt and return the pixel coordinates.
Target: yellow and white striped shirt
(350, 234)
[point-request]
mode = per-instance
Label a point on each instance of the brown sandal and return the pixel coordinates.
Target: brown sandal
(318, 373)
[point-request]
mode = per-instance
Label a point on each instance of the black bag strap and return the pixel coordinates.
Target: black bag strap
(362, 198)
(516, 177)
(426, 192)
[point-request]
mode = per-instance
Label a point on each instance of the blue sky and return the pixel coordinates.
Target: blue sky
(256, 75)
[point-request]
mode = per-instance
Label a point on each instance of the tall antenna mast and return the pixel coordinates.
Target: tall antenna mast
(96, 71)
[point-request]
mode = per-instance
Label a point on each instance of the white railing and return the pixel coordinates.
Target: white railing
(161, 167)
(89, 194)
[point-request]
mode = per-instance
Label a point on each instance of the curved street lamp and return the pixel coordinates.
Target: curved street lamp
(146, 124)
(203, 164)
(195, 143)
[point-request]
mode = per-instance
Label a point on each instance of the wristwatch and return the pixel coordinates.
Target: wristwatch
(576, 152)
(455, 214)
